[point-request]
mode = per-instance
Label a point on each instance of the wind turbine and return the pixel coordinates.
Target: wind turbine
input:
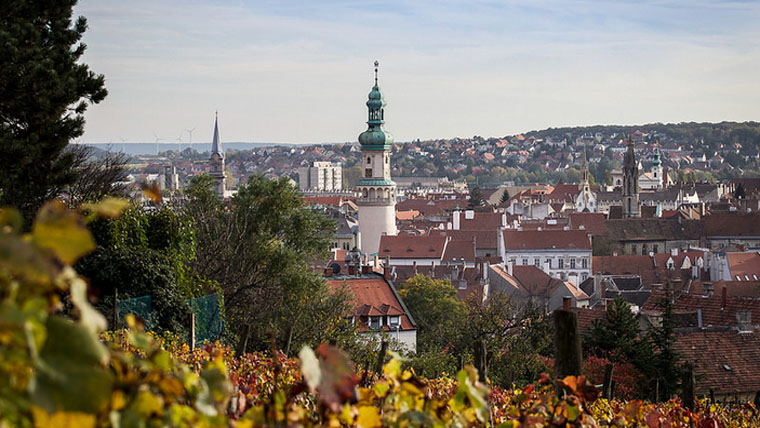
(179, 142)
(190, 131)
(157, 140)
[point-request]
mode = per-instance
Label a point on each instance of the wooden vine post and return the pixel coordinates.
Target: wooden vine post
(567, 341)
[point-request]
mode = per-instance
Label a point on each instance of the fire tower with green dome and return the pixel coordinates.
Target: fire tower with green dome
(377, 192)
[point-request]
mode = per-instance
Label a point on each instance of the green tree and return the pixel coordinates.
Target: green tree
(45, 92)
(504, 197)
(436, 310)
(476, 198)
(663, 370)
(259, 249)
(616, 335)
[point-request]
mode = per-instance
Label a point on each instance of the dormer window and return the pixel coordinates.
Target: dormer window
(375, 323)
(394, 321)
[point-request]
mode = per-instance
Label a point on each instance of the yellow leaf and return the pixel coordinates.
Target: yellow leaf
(392, 369)
(108, 207)
(369, 417)
(63, 232)
(117, 400)
(43, 419)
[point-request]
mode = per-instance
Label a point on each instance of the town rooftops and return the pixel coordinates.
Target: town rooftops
(724, 361)
(524, 240)
(412, 246)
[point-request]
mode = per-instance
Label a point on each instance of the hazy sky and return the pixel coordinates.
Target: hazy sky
(300, 71)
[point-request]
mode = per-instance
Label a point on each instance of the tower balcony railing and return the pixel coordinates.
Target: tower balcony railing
(375, 201)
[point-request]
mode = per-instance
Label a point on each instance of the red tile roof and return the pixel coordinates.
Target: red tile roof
(483, 238)
(744, 264)
(546, 239)
(373, 296)
(724, 361)
(480, 220)
(459, 252)
(592, 222)
(749, 289)
(407, 215)
(412, 247)
(714, 314)
(732, 225)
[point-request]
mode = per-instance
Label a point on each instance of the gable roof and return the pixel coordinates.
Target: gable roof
(412, 246)
(592, 222)
(373, 296)
(483, 238)
(519, 240)
(653, 229)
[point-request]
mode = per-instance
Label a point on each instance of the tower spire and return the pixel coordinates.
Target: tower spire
(377, 64)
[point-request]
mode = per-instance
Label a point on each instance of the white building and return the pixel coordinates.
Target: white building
(321, 177)
(563, 254)
(377, 192)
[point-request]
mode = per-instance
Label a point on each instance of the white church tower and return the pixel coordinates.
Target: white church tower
(377, 192)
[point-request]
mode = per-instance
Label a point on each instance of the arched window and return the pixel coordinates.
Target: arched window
(369, 160)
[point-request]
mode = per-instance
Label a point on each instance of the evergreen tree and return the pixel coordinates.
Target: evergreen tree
(504, 197)
(476, 198)
(44, 92)
(664, 370)
(616, 335)
(740, 192)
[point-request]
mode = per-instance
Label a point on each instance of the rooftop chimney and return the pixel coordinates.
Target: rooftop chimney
(510, 271)
(723, 297)
(567, 303)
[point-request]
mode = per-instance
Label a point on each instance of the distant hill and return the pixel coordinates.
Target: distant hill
(698, 136)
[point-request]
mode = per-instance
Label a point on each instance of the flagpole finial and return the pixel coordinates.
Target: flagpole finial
(377, 64)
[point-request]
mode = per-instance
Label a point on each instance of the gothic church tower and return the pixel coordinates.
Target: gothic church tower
(631, 205)
(216, 161)
(377, 192)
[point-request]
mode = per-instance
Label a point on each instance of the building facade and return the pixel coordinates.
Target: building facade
(377, 192)
(321, 177)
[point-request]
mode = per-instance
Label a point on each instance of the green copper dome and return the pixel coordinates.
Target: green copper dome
(376, 137)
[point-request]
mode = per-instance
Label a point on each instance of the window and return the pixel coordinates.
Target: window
(537, 262)
(584, 263)
(375, 322)
(644, 250)
(368, 173)
(394, 321)
(655, 248)
(548, 263)
(561, 263)
(584, 276)
(572, 263)
(525, 261)
(369, 160)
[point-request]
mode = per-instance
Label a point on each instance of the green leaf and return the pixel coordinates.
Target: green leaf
(72, 359)
(63, 232)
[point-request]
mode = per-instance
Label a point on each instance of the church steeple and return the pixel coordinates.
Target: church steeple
(376, 137)
(216, 144)
(216, 161)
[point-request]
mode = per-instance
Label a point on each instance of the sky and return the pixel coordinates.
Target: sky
(300, 71)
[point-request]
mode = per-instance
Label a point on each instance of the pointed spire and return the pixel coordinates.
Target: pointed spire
(377, 64)
(216, 144)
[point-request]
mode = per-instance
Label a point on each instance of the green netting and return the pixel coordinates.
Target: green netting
(209, 321)
(139, 306)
